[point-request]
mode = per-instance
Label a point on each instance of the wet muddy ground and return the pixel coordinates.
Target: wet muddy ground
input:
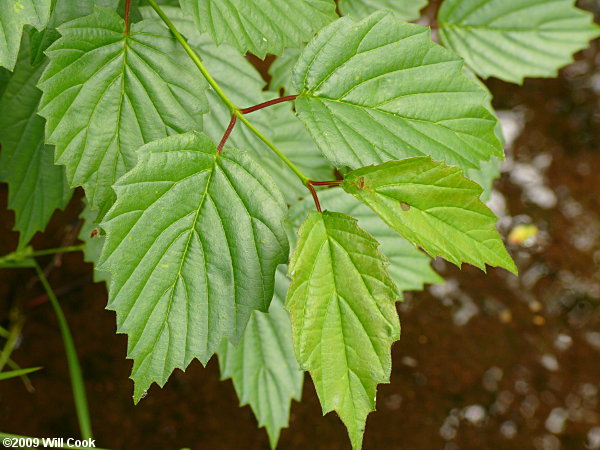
(485, 362)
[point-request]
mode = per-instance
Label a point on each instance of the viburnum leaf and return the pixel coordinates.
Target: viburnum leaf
(192, 244)
(107, 93)
(263, 366)
(62, 11)
(488, 170)
(260, 26)
(344, 320)
(281, 71)
(36, 187)
(93, 242)
(485, 176)
(514, 39)
(379, 89)
(13, 16)
(403, 9)
(409, 267)
(433, 206)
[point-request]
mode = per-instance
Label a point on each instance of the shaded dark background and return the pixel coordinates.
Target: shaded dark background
(485, 362)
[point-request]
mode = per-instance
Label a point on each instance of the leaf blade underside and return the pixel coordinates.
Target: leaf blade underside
(344, 320)
(380, 90)
(192, 244)
(106, 94)
(515, 39)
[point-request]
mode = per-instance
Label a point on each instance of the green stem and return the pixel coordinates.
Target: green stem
(233, 108)
(27, 253)
(193, 55)
(305, 180)
(81, 406)
(54, 251)
(13, 335)
(24, 378)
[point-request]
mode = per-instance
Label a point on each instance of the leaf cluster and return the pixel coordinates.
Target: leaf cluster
(354, 180)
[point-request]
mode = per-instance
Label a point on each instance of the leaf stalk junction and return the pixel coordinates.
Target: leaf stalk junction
(239, 113)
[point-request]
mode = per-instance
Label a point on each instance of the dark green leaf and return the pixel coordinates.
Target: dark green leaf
(36, 187)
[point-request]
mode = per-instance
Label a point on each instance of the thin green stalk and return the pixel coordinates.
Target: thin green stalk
(54, 251)
(305, 180)
(27, 253)
(81, 406)
(13, 335)
(193, 55)
(17, 373)
(24, 378)
(234, 109)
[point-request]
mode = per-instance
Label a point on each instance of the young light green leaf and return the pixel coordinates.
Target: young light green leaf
(379, 89)
(433, 206)
(514, 39)
(13, 16)
(106, 94)
(93, 242)
(263, 366)
(409, 267)
(344, 321)
(260, 26)
(192, 244)
(36, 187)
(403, 9)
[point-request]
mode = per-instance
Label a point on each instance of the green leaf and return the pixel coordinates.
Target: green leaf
(433, 206)
(341, 304)
(260, 26)
(281, 71)
(36, 187)
(403, 9)
(93, 242)
(62, 11)
(17, 373)
(514, 39)
(409, 267)
(379, 90)
(14, 14)
(263, 366)
(489, 170)
(485, 176)
(192, 244)
(106, 94)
